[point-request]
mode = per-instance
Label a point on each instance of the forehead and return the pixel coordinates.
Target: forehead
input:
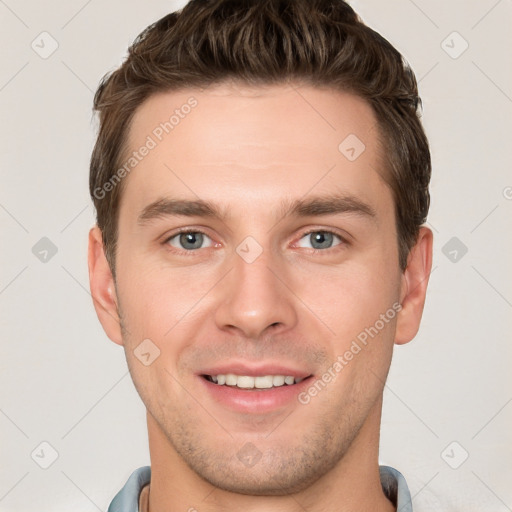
(230, 140)
(266, 116)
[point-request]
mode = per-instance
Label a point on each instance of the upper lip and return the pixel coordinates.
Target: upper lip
(255, 370)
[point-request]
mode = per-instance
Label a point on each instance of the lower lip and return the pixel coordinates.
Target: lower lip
(255, 400)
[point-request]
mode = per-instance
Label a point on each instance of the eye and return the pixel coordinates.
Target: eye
(190, 240)
(319, 240)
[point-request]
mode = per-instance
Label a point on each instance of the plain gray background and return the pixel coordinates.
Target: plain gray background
(64, 384)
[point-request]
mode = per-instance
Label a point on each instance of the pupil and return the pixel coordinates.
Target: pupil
(322, 239)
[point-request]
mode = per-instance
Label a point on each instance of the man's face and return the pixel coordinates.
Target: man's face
(280, 285)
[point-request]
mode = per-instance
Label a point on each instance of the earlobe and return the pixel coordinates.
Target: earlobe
(414, 287)
(102, 286)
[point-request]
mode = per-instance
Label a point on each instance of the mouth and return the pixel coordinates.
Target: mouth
(254, 387)
(250, 382)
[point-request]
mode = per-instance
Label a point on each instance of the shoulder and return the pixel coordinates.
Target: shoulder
(127, 499)
(396, 489)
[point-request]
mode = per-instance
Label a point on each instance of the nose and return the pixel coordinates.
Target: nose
(256, 298)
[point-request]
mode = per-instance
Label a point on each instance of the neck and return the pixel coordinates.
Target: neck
(353, 484)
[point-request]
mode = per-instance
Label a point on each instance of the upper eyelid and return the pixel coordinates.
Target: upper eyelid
(322, 231)
(181, 231)
(343, 240)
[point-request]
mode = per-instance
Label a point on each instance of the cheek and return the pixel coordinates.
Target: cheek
(358, 303)
(349, 298)
(156, 299)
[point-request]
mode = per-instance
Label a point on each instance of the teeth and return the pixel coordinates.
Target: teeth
(260, 382)
(264, 382)
(245, 382)
(231, 380)
(278, 380)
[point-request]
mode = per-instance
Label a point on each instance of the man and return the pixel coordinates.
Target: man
(261, 180)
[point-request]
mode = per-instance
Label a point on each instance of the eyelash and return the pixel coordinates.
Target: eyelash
(343, 241)
(182, 231)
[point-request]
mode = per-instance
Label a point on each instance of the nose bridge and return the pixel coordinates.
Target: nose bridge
(253, 297)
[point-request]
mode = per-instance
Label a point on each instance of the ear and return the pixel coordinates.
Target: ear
(102, 287)
(414, 287)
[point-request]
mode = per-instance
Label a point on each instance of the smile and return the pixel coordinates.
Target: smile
(253, 382)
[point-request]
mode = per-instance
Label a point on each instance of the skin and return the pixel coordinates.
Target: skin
(246, 150)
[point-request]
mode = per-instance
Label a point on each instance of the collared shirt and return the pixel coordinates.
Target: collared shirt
(131, 495)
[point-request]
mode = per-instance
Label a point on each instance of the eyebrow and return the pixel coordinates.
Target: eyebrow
(315, 206)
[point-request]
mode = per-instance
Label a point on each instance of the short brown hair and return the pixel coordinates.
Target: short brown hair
(263, 42)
